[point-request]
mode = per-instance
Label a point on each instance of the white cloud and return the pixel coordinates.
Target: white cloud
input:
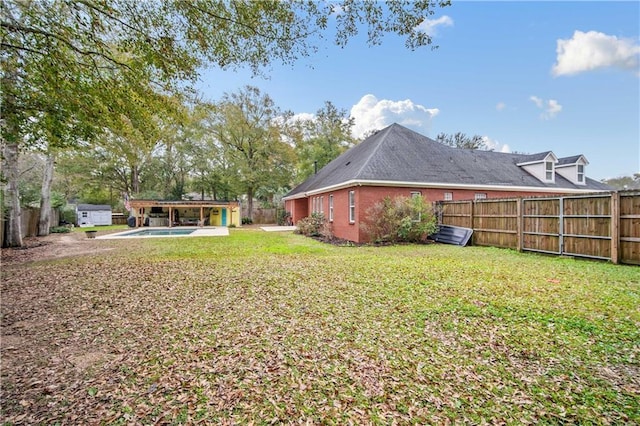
(373, 114)
(495, 145)
(550, 108)
(536, 100)
(430, 26)
(303, 116)
(593, 50)
(500, 106)
(553, 108)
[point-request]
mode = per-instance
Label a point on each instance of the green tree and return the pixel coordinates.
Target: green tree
(461, 140)
(624, 182)
(61, 58)
(321, 139)
(246, 124)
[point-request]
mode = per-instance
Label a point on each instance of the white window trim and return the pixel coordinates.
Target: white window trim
(352, 206)
(415, 194)
(331, 208)
(448, 196)
(580, 174)
(480, 196)
(321, 205)
(549, 174)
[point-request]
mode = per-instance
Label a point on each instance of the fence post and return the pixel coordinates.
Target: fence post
(472, 224)
(519, 224)
(615, 227)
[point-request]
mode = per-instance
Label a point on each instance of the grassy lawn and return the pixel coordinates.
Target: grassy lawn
(267, 328)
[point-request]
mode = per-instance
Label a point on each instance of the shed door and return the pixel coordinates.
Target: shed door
(224, 217)
(101, 218)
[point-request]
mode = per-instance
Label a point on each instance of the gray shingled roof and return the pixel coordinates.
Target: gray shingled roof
(402, 155)
(93, 207)
(568, 160)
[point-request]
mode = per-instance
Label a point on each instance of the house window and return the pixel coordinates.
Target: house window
(548, 171)
(581, 173)
(321, 209)
(448, 196)
(416, 216)
(352, 206)
(330, 208)
(480, 196)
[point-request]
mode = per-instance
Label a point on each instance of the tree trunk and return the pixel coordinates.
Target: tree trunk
(135, 179)
(44, 222)
(250, 202)
(14, 233)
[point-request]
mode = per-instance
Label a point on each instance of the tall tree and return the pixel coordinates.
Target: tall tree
(322, 138)
(247, 124)
(461, 140)
(60, 57)
(44, 221)
(211, 169)
(624, 182)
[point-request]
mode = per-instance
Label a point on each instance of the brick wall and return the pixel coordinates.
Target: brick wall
(367, 196)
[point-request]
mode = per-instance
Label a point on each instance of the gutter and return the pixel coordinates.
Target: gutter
(386, 183)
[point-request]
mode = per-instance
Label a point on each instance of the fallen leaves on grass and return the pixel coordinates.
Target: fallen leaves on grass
(236, 332)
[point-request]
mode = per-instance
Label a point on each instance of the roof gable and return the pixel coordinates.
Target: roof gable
(538, 158)
(572, 161)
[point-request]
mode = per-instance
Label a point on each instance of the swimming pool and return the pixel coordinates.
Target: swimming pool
(156, 232)
(213, 231)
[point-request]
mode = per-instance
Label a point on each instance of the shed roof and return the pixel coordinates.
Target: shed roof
(93, 207)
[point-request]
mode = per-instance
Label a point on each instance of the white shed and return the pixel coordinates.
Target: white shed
(93, 214)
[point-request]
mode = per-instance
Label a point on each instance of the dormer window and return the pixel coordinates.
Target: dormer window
(542, 166)
(573, 169)
(548, 166)
(580, 173)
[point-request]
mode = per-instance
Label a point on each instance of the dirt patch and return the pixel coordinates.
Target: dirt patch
(88, 360)
(54, 246)
(11, 341)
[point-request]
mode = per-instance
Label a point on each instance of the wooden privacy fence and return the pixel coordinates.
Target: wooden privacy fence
(29, 222)
(600, 225)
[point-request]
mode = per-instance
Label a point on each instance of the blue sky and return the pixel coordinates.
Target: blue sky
(527, 76)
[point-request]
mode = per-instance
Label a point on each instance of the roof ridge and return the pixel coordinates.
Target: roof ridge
(374, 150)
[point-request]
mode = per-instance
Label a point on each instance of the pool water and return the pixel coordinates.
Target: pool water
(157, 232)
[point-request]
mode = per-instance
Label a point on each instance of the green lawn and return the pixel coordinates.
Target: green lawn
(267, 328)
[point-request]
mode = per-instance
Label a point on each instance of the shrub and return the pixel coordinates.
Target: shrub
(313, 226)
(68, 215)
(59, 230)
(401, 219)
(284, 218)
(247, 220)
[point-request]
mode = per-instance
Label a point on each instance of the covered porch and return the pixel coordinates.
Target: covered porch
(185, 213)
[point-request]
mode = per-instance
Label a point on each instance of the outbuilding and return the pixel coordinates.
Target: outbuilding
(93, 214)
(185, 213)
